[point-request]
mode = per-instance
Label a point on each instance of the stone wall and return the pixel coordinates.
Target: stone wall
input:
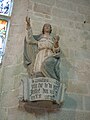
(71, 20)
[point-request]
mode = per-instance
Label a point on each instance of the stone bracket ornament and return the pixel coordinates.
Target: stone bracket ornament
(41, 89)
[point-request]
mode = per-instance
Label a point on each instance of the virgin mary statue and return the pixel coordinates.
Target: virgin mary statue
(42, 52)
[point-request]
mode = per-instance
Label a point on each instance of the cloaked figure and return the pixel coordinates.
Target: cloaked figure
(42, 52)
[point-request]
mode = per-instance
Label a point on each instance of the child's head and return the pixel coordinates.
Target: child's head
(57, 38)
(56, 41)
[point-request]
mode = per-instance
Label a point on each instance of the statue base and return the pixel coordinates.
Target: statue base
(41, 93)
(38, 107)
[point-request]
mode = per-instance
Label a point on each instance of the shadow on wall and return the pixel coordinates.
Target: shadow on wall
(64, 68)
(70, 102)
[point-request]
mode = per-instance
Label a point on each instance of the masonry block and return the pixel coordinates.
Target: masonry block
(87, 102)
(82, 54)
(88, 45)
(73, 101)
(37, 26)
(46, 2)
(77, 87)
(17, 81)
(3, 113)
(84, 10)
(16, 114)
(80, 2)
(67, 15)
(80, 65)
(70, 115)
(62, 115)
(88, 19)
(88, 89)
(82, 26)
(12, 71)
(84, 35)
(72, 75)
(82, 115)
(8, 84)
(30, 5)
(42, 9)
(65, 5)
(10, 98)
(64, 52)
(84, 76)
(62, 22)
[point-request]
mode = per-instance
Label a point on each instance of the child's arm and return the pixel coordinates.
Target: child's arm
(56, 47)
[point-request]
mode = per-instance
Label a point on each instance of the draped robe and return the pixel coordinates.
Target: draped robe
(35, 49)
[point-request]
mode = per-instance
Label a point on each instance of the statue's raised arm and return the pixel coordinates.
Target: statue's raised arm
(30, 47)
(28, 24)
(29, 34)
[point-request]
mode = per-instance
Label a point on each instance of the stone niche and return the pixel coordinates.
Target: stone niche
(41, 94)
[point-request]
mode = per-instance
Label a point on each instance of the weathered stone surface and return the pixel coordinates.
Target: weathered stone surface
(84, 10)
(88, 89)
(82, 54)
(64, 67)
(87, 102)
(73, 101)
(16, 114)
(12, 71)
(87, 19)
(17, 81)
(80, 2)
(82, 26)
(12, 56)
(64, 52)
(87, 116)
(37, 26)
(84, 76)
(87, 65)
(80, 65)
(17, 29)
(67, 15)
(72, 74)
(82, 115)
(71, 20)
(69, 115)
(3, 113)
(46, 2)
(8, 84)
(77, 87)
(84, 35)
(39, 107)
(42, 9)
(79, 116)
(30, 5)
(88, 45)
(63, 115)
(19, 11)
(10, 98)
(82, 69)
(65, 5)
(0, 80)
(40, 16)
(63, 22)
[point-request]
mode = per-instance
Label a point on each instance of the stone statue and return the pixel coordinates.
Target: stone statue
(42, 61)
(42, 52)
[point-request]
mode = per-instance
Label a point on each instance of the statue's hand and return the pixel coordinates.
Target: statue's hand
(28, 24)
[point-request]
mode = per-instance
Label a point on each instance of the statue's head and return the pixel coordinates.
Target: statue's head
(47, 28)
